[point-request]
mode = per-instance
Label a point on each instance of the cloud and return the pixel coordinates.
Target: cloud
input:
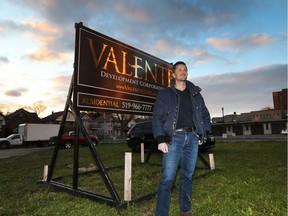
(46, 55)
(177, 24)
(39, 26)
(47, 35)
(4, 59)
(8, 26)
(244, 91)
(240, 43)
(16, 92)
(124, 20)
(50, 40)
(202, 56)
(61, 81)
(174, 30)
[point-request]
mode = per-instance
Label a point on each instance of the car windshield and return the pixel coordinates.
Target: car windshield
(12, 135)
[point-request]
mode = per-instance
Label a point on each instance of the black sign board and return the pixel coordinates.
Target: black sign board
(113, 76)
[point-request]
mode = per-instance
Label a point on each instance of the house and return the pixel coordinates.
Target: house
(20, 116)
(108, 127)
(263, 122)
(56, 118)
(137, 120)
(88, 121)
(2, 125)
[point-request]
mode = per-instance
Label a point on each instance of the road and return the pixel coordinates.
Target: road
(7, 153)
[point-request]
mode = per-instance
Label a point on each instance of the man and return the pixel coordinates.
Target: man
(180, 123)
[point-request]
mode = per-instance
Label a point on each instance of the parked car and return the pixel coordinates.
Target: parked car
(142, 132)
(67, 141)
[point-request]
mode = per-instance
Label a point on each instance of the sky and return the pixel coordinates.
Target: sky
(236, 51)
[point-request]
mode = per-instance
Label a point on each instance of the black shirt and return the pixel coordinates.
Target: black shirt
(185, 115)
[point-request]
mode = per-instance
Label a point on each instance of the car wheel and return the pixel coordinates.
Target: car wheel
(44, 144)
(67, 145)
(4, 145)
(136, 145)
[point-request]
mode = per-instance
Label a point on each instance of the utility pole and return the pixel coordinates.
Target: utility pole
(223, 120)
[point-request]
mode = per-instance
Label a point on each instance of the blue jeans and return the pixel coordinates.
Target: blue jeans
(184, 147)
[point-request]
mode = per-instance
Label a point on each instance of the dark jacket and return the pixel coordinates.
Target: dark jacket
(165, 112)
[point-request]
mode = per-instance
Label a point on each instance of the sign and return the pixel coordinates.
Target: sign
(112, 76)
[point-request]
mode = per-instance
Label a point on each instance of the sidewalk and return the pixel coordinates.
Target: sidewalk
(252, 138)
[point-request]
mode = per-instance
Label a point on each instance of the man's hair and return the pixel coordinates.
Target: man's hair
(177, 63)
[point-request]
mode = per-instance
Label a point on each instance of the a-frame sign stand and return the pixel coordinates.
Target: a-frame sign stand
(96, 76)
(114, 199)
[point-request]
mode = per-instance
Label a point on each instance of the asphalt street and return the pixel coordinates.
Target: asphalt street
(7, 153)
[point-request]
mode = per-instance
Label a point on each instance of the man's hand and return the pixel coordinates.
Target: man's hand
(163, 147)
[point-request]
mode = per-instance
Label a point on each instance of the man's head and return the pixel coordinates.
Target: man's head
(176, 64)
(180, 71)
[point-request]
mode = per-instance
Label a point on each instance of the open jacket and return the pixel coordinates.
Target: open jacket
(165, 113)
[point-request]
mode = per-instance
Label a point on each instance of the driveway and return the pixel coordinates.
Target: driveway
(7, 153)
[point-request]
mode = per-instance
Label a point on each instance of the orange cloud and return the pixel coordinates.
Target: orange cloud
(241, 43)
(46, 55)
(134, 13)
(39, 26)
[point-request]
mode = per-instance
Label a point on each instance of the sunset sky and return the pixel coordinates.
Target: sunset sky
(236, 51)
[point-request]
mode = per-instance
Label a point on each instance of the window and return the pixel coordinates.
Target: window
(229, 128)
(16, 137)
(148, 126)
(138, 127)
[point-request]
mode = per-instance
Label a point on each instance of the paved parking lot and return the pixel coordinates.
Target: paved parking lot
(7, 153)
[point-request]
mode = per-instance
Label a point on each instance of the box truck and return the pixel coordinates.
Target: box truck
(31, 134)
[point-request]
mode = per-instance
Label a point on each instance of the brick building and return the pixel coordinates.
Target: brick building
(280, 99)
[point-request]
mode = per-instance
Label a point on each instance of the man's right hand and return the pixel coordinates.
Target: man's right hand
(163, 147)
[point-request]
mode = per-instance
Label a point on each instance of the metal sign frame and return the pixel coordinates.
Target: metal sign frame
(129, 103)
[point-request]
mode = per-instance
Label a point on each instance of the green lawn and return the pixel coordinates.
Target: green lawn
(250, 179)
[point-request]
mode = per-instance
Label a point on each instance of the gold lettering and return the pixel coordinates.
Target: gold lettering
(95, 59)
(124, 64)
(169, 75)
(85, 100)
(113, 60)
(136, 67)
(163, 72)
(147, 67)
(150, 71)
(100, 102)
(162, 75)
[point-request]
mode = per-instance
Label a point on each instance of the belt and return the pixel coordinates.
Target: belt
(186, 129)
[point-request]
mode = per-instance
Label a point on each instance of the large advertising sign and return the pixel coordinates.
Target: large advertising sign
(112, 76)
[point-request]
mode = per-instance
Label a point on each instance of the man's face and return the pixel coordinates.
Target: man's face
(180, 73)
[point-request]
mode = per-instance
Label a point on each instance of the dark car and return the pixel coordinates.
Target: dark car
(142, 132)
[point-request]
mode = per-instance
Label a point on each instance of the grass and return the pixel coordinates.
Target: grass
(250, 179)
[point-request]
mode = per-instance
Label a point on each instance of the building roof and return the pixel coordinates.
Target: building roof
(53, 116)
(22, 114)
(57, 117)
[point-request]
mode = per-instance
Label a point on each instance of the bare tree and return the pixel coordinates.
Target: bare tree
(123, 119)
(266, 108)
(38, 108)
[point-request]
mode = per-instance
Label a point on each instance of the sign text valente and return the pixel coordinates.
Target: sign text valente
(112, 76)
